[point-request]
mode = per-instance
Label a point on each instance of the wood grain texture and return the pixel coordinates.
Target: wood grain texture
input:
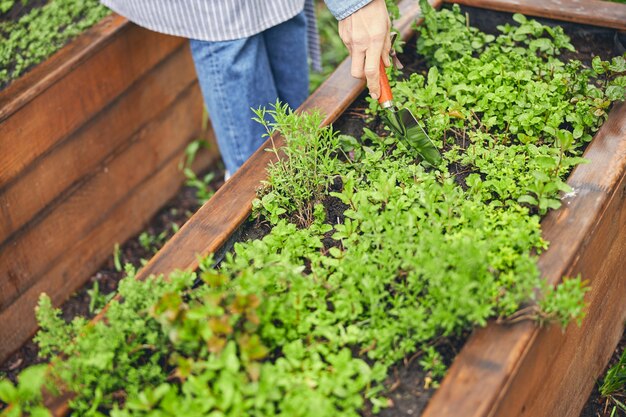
(32, 121)
(49, 179)
(589, 12)
(523, 370)
(125, 219)
(36, 249)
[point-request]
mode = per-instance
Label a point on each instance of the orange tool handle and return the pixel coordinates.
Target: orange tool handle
(385, 89)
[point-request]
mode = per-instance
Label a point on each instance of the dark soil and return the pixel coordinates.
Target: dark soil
(176, 212)
(588, 40)
(409, 387)
(597, 406)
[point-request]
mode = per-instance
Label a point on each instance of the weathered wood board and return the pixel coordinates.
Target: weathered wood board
(82, 135)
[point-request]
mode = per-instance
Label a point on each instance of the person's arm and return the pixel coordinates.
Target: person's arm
(364, 27)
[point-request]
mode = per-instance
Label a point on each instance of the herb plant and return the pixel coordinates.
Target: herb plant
(310, 149)
(202, 185)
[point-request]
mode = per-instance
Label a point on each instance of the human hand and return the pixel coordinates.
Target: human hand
(366, 35)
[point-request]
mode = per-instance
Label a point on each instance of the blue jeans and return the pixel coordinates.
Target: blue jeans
(244, 74)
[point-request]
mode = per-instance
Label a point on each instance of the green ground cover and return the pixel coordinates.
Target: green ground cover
(38, 34)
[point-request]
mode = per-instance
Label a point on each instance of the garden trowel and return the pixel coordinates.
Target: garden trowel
(404, 124)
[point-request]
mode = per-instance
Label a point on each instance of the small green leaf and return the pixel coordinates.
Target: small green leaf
(615, 92)
(528, 199)
(335, 252)
(519, 18)
(8, 392)
(598, 65)
(618, 64)
(40, 412)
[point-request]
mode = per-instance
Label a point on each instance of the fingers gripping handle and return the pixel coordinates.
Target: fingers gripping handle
(386, 98)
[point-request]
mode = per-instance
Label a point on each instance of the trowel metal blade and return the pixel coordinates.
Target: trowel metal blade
(418, 139)
(394, 122)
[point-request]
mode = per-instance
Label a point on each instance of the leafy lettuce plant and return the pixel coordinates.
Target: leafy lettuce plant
(506, 107)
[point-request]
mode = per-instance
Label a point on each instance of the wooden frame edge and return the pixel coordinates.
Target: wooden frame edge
(25, 88)
(484, 371)
(588, 12)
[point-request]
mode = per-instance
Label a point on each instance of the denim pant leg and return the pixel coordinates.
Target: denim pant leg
(287, 52)
(237, 76)
(234, 77)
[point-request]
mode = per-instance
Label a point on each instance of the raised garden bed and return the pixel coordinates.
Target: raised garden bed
(96, 133)
(503, 369)
(103, 283)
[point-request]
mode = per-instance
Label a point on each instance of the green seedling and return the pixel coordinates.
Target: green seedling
(191, 151)
(202, 185)
(614, 385)
(151, 242)
(97, 300)
(296, 183)
(24, 398)
(117, 257)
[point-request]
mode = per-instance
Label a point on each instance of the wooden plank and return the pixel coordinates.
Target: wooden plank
(504, 370)
(20, 91)
(589, 12)
(50, 178)
(569, 362)
(28, 130)
(213, 224)
(84, 257)
(50, 237)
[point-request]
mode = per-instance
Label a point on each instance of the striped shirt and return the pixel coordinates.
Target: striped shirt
(208, 20)
(223, 20)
